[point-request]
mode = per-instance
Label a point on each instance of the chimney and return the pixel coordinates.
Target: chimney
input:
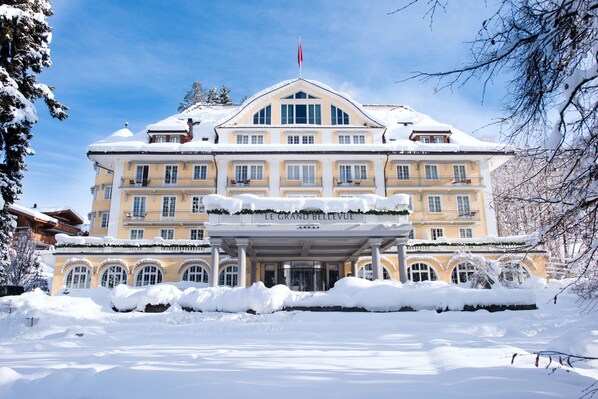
(34, 206)
(190, 132)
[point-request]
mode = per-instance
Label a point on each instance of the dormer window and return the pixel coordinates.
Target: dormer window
(338, 116)
(300, 95)
(301, 114)
(436, 137)
(160, 139)
(263, 116)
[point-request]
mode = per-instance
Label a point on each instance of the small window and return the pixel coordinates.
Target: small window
(293, 140)
(113, 276)
(359, 139)
(168, 207)
(465, 233)
(463, 207)
(421, 272)
(175, 139)
(367, 272)
(307, 139)
(242, 139)
(167, 234)
(438, 139)
(338, 116)
(462, 273)
(459, 173)
(196, 234)
(195, 273)
(263, 116)
(425, 139)
(160, 139)
(197, 205)
(403, 172)
(94, 192)
(228, 276)
(434, 203)
(431, 172)
(437, 233)
(136, 234)
(257, 139)
(200, 172)
(171, 174)
(104, 219)
(107, 192)
(344, 139)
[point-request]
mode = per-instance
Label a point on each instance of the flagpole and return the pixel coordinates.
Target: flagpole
(299, 55)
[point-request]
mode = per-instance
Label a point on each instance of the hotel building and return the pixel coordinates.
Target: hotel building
(303, 140)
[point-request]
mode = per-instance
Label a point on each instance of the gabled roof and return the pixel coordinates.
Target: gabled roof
(299, 82)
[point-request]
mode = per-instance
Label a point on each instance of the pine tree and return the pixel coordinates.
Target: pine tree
(224, 96)
(24, 268)
(196, 94)
(24, 52)
(212, 96)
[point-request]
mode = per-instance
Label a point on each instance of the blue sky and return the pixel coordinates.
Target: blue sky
(133, 61)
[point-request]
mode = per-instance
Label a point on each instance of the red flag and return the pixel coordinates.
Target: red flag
(299, 54)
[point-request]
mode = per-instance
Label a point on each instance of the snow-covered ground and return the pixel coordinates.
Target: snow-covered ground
(80, 348)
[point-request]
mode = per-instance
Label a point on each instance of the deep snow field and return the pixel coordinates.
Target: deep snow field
(81, 348)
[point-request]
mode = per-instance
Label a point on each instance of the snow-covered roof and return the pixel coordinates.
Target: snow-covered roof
(399, 123)
(33, 213)
(61, 209)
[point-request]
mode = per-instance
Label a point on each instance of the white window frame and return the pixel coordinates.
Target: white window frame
(136, 234)
(463, 204)
(401, 168)
(78, 277)
(113, 276)
(367, 272)
(141, 210)
(228, 276)
(167, 233)
(160, 138)
(436, 233)
(459, 173)
(253, 171)
(197, 204)
(171, 174)
(462, 273)
(168, 210)
(139, 175)
(344, 139)
(200, 172)
(94, 192)
(197, 232)
(435, 204)
(423, 270)
(466, 232)
(104, 219)
(431, 171)
(195, 273)
(148, 275)
(108, 192)
(357, 172)
(303, 173)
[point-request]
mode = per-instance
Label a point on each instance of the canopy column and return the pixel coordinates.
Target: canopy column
(215, 243)
(242, 261)
(376, 266)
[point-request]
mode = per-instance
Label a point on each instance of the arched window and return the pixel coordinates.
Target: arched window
(148, 275)
(462, 273)
(228, 276)
(367, 272)
(514, 273)
(263, 116)
(78, 277)
(195, 273)
(421, 272)
(113, 276)
(338, 116)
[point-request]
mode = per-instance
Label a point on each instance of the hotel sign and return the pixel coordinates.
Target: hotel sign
(299, 218)
(308, 217)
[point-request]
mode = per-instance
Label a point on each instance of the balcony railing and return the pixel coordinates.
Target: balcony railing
(305, 182)
(447, 215)
(247, 183)
(440, 181)
(159, 217)
(354, 182)
(160, 183)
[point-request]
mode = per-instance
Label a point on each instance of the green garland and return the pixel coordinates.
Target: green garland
(469, 244)
(221, 211)
(109, 245)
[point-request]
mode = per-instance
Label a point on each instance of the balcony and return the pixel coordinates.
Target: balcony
(443, 181)
(354, 183)
(447, 216)
(247, 183)
(160, 183)
(306, 182)
(131, 218)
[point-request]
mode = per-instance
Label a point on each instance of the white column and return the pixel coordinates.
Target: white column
(379, 177)
(354, 267)
(402, 250)
(376, 266)
(274, 177)
(115, 218)
(215, 244)
(242, 262)
(327, 177)
(221, 179)
(252, 270)
(491, 228)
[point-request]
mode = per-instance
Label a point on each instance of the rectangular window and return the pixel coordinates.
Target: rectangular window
(195, 234)
(171, 174)
(434, 203)
(301, 114)
(139, 207)
(437, 233)
(257, 172)
(438, 139)
(350, 173)
(242, 139)
(304, 173)
(466, 233)
(107, 192)
(104, 219)
(359, 139)
(459, 173)
(293, 140)
(424, 139)
(200, 172)
(142, 175)
(175, 139)
(136, 234)
(431, 172)
(167, 234)
(197, 205)
(344, 139)
(307, 139)
(168, 207)
(241, 173)
(160, 139)
(257, 139)
(463, 205)
(94, 192)
(403, 172)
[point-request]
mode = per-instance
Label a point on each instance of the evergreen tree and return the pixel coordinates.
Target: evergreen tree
(24, 52)
(196, 94)
(24, 267)
(224, 96)
(212, 96)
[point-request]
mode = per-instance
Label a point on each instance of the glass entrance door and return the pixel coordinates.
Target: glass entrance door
(301, 275)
